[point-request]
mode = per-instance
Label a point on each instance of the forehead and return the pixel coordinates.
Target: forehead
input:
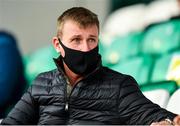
(70, 27)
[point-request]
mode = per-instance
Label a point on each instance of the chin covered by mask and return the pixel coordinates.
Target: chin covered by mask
(80, 62)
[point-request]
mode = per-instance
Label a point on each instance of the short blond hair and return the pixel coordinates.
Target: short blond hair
(82, 16)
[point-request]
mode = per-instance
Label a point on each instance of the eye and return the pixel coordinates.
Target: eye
(76, 40)
(92, 40)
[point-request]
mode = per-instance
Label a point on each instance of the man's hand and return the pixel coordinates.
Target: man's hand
(176, 122)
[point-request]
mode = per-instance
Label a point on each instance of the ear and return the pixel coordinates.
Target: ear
(57, 46)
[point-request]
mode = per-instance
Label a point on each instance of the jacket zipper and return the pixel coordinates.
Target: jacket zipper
(66, 106)
(68, 96)
(66, 103)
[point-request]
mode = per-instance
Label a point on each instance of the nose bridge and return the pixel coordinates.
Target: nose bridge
(86, 47)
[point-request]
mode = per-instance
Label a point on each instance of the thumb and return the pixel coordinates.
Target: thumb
(176, 120)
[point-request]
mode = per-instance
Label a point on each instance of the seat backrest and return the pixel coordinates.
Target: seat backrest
(138, 67)
(167, 68)
(170, 86)
(174, 102)
(158, 96)
(162, 38)
(160, 69)
(121, 47)
(174, 69)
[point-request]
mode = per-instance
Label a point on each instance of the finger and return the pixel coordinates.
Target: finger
(177, 120)
(154, 124)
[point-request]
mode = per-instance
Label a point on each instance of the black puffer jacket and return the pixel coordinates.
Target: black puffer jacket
(103, 97)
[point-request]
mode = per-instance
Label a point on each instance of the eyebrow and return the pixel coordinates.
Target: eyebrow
(74, 36)
(94, 36)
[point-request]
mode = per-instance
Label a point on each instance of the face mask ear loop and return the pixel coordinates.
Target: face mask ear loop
(60, 42)
(62, 45)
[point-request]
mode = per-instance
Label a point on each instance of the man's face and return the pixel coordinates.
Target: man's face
(78, 38)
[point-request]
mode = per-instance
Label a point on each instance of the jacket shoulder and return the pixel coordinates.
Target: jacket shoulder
(45, 82)
(112, 74)
(44, 78)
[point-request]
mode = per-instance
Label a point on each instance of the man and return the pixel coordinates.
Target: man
(81, 90)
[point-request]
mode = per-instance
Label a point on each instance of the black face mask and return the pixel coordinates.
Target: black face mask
(80, 62)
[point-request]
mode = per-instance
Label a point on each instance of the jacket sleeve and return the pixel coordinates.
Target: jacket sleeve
(135, 108)
(24, 112)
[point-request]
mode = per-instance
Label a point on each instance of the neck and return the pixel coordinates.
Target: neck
(73, 77)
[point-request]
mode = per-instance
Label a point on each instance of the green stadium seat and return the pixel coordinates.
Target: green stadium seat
(39, 61)
(162, 68)
(139, 67)
(102, 50)
(121, 48)
(162, 38)
(170, 86)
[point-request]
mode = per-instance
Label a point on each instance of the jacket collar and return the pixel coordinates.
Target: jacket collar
(59, 64)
